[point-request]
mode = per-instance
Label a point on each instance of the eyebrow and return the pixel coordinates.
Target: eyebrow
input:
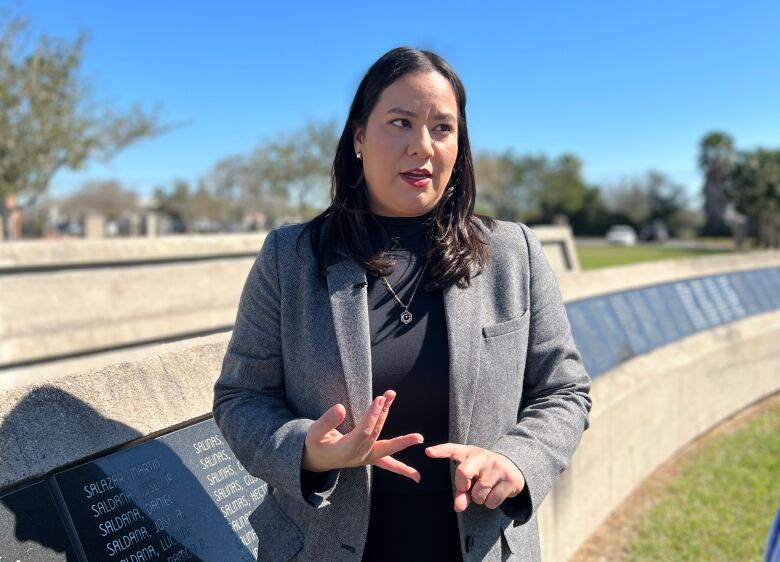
(437, 117)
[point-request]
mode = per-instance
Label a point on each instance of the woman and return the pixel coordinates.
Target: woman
(452, 322)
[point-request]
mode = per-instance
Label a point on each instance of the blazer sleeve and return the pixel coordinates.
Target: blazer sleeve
(556, 401)
(249, 395)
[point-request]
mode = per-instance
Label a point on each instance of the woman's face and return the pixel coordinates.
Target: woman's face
(413, 125)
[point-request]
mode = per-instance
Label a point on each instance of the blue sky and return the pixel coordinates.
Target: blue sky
(627, 86)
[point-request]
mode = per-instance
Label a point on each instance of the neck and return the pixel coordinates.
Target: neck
(404, 232)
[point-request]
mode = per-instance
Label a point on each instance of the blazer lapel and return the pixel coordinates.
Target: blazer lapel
(348, 295)
(349, 307)
(462, 309)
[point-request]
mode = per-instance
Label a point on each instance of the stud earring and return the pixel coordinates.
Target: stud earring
(359, 155)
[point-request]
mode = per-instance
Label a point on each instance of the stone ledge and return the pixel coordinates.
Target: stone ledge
(558, 244)
(575, 286)
(46, 426)
(52, 253)
(70, 312)
(646, 410)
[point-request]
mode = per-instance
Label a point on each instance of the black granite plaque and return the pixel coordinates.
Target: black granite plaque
(771, 282)
(180, 497)
(586, 339)
(690, 305)
(647, 318)
(762, 289)
(740, 281)
(613, 328)
(732, 299)
(676, 309)
(656, 301)
(718, 299)
(774, 277)
(705, 303)
(595, 328)
(31, 529)
(633, 328)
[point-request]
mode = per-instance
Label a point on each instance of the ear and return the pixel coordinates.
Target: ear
(358, 134)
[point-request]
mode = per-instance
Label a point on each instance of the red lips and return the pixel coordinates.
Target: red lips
(419, 171)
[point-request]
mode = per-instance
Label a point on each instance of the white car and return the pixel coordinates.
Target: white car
(621, 234)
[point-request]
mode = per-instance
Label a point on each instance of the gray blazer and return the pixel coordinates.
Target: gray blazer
(517, 387)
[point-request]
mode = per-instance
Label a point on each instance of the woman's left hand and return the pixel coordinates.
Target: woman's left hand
(481, 475)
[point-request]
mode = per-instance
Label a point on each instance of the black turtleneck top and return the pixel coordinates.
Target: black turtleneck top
(412, 359)
(410, 521)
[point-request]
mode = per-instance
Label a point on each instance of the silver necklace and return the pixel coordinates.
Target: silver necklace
(406, 316)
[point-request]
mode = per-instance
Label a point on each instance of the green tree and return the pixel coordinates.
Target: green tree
(754, 187)
(534, 188)
(48, 117)
(563, 188)
(669, 204)
(592, 218)
(498, 186)
(190, 208)
(285, 178)
(298, 165)
(716, 159)
(175, 203)
(110, 198)
(650, 197)
(629, 198)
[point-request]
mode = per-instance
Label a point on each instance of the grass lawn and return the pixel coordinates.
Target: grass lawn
(594, 257)
(722, 499)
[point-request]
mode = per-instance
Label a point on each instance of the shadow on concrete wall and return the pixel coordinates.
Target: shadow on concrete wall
(140, 500)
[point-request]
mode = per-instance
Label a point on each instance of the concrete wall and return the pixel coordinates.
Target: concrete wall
(49, 425)
(68, 298)
(64, 299)
(596, 282)
(643, 411)
(558, 245)
(53, 254)
(24, 255)
(45, 315)
(649, 408)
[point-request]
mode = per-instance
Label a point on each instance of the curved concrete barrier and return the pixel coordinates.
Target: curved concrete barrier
(69, 299)
(644, 410)
(64, 302)
(650, 406)
(68, 253)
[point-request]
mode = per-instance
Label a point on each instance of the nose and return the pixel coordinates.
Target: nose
(421, 144)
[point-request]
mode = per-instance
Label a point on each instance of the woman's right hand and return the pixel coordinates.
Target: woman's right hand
(327, 448)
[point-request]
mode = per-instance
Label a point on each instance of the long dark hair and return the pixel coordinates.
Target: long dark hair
(458, 248)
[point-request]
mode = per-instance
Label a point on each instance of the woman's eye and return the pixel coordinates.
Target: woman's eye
(447, 128)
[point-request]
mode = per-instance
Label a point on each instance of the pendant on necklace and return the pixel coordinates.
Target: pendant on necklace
(406, 317)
